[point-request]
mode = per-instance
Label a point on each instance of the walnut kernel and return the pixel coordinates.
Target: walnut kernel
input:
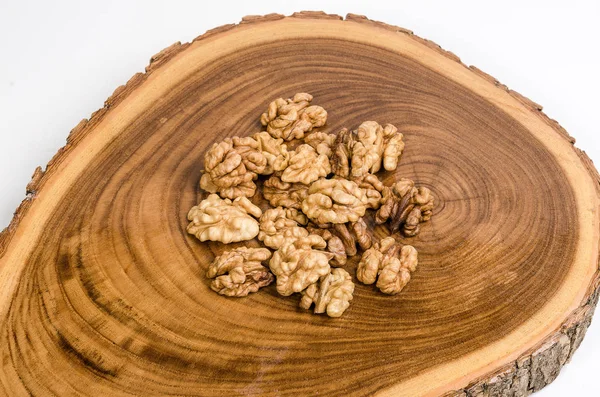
(331, 294)
(322, 142)
(306, 166)
(393, 147)
(292, 118)
(222, 220)
(395, 272)
(389, 260)
(274, 151)
(335, 245)
(376, 144)
(373, 189)
(300, 263)
(278, 225)
(368, 150)
(405, 206)
(342, 153)
(280, 193)
(334, 201)
(240, 272)
(226, 170)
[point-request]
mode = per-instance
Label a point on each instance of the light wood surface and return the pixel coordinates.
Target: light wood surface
(102, 291)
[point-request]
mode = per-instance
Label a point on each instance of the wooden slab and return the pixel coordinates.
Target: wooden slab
(103, 293)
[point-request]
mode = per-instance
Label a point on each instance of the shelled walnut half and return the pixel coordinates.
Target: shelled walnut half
(231, 166)
(229, 173)
(300, 263)
(331, 294)
(376, 145)
(306, 166)
(284, 194)
(223, 220)
(342, 153)
(373, 188)
(292, 118)
(353, 233)
(322, 142)
(335, 245)
(274, 151)
(393, 146)
(388, 262)
(240, 272)
(342, 239)
(405, 206)
(278, 225)
(334, 201)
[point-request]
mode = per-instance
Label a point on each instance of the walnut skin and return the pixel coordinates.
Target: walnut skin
(389, 260)
(393, 147)
(405, 206)
(368, 150)
(290, 119)
(423, 201)
(249, 150)
(334, 201)
(231, 166)
(331, 294)
(221, 220)
(284, 194)
(274, 151)
(374, 259)
(300, 263)
(334, 245)
(376, 144)
(342, 153)
(350, 236)
(225, 171)
(322, 142)
(395, 273)
(362, 234)
(306, 166)
(278, 225)
(240, 272)
(207, 184)
(373, 189)
(368, 267)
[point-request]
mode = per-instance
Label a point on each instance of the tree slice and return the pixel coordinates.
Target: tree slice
(104, 293)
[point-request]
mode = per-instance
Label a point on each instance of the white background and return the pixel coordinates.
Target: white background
(60, 60)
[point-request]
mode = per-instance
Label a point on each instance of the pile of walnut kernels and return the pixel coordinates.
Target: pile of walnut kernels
(320, 191)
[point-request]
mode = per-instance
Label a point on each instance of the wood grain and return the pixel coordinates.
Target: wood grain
(103, 292)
